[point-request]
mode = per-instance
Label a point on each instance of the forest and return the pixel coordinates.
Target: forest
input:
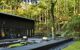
(54, 17)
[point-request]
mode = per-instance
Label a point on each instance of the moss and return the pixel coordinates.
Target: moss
(74, 46)
(19, 44)
(15, 45)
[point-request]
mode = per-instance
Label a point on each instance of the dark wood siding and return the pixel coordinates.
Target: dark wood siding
(15, 27)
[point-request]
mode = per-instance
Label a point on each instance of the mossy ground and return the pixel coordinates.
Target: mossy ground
(74, 46)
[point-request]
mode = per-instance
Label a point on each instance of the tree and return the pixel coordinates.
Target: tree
(53, 19)
(47, 12)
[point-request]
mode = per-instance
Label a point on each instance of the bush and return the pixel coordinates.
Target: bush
(76, 35)
(73, 27)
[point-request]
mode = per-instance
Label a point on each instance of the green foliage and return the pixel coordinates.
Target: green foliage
(62, 8)
(44, 4)
(15, 45)
(72, 28)
(76, 35)
(19, 44)
(74, 23)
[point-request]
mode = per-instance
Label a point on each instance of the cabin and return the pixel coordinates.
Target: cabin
(12, 26)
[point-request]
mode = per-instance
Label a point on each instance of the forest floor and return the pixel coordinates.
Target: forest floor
(74, 46)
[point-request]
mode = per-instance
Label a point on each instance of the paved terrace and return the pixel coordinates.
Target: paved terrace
(34, 46)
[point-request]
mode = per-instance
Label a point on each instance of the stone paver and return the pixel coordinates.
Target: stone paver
(60, 47)
(33, 46)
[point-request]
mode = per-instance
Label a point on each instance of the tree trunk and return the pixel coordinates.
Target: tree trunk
(53, 19)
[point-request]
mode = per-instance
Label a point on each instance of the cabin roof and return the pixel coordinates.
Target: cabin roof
(15, 16)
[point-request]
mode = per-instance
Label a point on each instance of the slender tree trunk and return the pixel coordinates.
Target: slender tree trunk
(74, 9)
(53, 20)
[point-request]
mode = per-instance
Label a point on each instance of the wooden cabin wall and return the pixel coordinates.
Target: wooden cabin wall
(15, 28)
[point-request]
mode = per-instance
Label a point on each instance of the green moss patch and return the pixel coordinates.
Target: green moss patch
(19, 44)
(74, 46)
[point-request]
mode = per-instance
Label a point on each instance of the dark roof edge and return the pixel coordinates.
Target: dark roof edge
(16, 16)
